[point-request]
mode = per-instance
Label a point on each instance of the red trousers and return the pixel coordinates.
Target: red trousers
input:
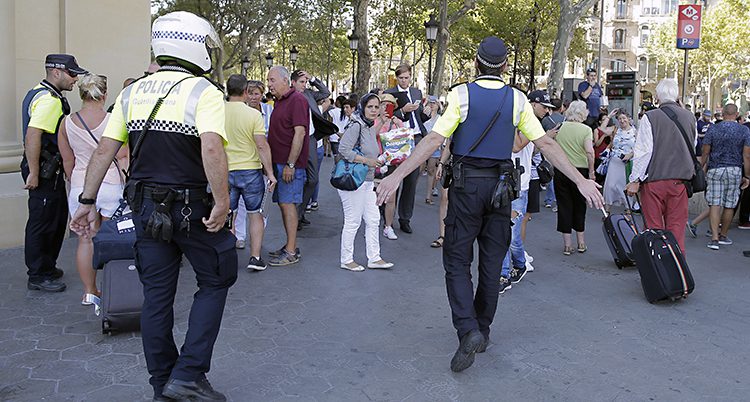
(664, 205)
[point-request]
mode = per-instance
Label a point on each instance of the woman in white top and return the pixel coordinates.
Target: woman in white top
(78, 138)
(620, 153)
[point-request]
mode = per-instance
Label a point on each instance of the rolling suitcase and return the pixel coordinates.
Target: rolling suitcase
(122, 297)
(664, 272)
(619, 230)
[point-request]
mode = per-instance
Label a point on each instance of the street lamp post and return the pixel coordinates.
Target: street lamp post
(431, 29)
(269, 60)
(353, 44)
(245, 65)
(293, 54)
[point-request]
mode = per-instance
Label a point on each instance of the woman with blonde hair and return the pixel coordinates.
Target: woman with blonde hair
(79, 136)
(575, 139)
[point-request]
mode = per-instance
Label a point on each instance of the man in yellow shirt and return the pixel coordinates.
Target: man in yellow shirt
(249, 157)
(481, 120)
(41, 168)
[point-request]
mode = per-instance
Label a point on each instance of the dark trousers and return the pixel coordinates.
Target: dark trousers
(45, 228)
(312, 177)
(471, 217)
(745, 206)
(571, 205)
(214, 260)
(408, 192)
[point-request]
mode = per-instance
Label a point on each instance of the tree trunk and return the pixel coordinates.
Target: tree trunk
(440, 50)
(364, 57)
(570, 13)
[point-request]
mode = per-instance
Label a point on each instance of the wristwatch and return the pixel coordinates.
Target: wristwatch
(85, 201)
(290, 165)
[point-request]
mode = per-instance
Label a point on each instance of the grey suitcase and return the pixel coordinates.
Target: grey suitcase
(122, 297)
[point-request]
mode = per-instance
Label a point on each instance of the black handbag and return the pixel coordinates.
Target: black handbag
(545, 171)
(698, 182)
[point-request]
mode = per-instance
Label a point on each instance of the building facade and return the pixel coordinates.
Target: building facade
(108, 37)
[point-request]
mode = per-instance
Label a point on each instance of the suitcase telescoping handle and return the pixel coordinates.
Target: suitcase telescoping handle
(630, 208)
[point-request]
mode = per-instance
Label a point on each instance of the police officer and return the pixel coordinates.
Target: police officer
(42, 111)
(482, 188)
(174, 123)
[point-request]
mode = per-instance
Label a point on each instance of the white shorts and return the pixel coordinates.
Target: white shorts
(107, 200)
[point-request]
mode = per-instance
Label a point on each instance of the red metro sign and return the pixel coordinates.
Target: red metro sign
(689, 26)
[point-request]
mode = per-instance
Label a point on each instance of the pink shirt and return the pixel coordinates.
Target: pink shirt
(83, 147)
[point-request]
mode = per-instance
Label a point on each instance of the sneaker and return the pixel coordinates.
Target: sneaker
(547, 205)
(379, 265)
(725, 241)
(693, 230)
(285, 258)
(353, 266)
(528, 257)
(744, 226)
(47, 285)
(504, 284)
(282, 250)
(389, 233)
(314, 206)
(529, 267)
(708, 233)
(516, 274)
(434, 192)
(554, 209)
(713, 245)
(256, 264)
(200, 390)
(240, 244)
(308, 208)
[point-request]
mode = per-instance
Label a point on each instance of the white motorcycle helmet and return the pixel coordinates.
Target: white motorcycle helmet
(186, 37)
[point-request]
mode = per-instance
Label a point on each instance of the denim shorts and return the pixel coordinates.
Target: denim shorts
(250, 185)
(288, 193)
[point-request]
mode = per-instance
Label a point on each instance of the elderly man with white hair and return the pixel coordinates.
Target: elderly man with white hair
(662, 162)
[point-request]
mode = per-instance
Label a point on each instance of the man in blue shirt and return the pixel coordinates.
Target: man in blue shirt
(591, 92)
(726, 151)
(703, 124)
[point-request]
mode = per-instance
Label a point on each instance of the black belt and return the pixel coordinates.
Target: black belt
(194, 194)
(493, 173)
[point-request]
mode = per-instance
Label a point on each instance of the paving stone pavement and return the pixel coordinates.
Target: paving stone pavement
(576, 329)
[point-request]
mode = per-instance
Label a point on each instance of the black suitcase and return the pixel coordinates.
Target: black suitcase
(664, 271)
(619, 230)
(122, 297)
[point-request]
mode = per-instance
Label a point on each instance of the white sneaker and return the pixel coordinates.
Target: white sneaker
(379, 265)
(528, 257)
(529, 267)
(390, 233)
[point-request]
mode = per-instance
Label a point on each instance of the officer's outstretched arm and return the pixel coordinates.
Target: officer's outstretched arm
(217, 172)
(421, 153)
(588, 188)
(98, 166)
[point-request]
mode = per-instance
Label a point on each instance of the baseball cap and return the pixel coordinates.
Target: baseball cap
(64, 62)
(707, 112)
(542, 97)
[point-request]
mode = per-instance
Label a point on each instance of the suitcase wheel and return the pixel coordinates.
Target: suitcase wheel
(617, 262)
(106, 327)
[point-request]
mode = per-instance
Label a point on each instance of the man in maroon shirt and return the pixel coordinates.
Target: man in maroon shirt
(287, 136)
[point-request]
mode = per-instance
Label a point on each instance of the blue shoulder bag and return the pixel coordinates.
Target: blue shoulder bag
(349, 176)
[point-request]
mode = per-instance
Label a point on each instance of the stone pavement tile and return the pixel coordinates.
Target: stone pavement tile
(299, 386)
(136, 375)
(20, 322)
(254, 390)
(118, 393)
(272, 373)
(77, 385)
(31, 358)
(13, 346)
(285, 355)
(28, 390)
(112, 363)
(388, 390)
(65, 318)
(57, 369)
(39, 332)
(87, 351)
(132, 345)
(252, 344)
(12, 375)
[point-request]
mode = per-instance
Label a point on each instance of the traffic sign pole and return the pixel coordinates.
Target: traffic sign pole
(688, 36)
(685, 80)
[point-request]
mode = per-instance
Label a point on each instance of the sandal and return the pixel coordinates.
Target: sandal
(437, 243)
(582, 248)
(567, 250)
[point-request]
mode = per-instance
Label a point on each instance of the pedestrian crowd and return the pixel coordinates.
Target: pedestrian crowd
(259, 140)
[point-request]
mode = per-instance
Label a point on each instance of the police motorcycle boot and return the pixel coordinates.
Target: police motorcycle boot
(47, 285)
(467, 349)
(483, 346)
(57, 273)
(198, 390)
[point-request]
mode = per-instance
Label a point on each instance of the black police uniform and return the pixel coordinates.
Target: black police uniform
(48, 203)
(167, 190)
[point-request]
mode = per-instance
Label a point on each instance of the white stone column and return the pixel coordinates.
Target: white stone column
(11, 148)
